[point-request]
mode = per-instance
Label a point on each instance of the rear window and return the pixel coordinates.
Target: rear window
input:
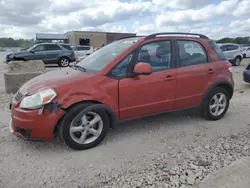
(217, 50)
(68, 47)
(82, 48)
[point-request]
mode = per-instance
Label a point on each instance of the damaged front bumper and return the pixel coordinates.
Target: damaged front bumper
(32, 125)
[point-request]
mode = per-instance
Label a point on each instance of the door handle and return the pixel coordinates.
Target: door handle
(211, 71)
(168, 78)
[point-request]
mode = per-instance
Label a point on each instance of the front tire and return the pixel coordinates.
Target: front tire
(64, 62)
(83, 127)
(216, 104)
(236, 61)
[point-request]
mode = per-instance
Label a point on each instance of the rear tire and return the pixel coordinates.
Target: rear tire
(87, 135)
(64, 62)
(236, 61)
(210, 106)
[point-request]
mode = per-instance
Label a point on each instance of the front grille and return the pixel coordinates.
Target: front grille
(18, 96)
(24, 132)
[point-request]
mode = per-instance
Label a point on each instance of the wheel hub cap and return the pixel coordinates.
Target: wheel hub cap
(218, 104)
(86, 129)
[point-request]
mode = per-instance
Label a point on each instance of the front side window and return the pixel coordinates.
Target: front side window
(157, 54)
(95, 62)
(120, 71)
(224, 48)
(191, 56)
(39, 48)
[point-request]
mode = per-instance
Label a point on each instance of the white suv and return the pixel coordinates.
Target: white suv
(82, 50)
(233, 53)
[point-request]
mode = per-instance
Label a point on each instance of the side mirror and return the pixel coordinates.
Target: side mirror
(32, 51)
(142, 69)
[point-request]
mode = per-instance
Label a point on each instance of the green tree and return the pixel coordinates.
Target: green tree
(10, 42)
(238, 40)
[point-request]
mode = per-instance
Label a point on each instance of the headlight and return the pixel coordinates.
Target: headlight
(39, 99)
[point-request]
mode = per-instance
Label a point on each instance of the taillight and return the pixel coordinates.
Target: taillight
(228, 65)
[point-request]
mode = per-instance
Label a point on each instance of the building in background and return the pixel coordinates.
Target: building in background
(51, 37)
(95, 39)
(92, 38)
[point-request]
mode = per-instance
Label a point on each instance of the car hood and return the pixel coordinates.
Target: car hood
(53, 79)
(19, 53)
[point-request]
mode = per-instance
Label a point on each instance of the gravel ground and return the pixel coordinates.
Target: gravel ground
(170, 150)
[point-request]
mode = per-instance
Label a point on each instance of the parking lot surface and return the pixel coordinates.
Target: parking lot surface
(127, 153)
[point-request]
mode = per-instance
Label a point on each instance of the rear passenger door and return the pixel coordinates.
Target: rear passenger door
(194, 72)
(52, 52)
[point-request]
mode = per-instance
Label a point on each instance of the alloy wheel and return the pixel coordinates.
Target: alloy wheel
(64, 62)
(218, 104)
(86, 129)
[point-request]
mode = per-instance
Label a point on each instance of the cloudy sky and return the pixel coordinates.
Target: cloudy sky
(215, 18)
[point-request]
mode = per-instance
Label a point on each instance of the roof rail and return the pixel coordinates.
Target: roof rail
(176, 33)
(129, 37)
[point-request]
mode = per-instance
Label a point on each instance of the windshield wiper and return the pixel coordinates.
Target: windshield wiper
(78, 67)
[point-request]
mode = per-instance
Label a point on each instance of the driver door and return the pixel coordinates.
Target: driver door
(149, 94)
(37, 53)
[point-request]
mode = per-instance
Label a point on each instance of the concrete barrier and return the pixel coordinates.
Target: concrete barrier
(20, 72)
(26, 66)
(13, 81)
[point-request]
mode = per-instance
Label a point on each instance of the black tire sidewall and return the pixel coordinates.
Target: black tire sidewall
(70, 115)
(206, 104)
(60, 60)
(235, 60)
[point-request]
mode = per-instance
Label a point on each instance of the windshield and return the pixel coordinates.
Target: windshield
(30, 48)
(99, 59)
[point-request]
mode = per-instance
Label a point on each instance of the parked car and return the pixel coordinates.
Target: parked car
(82, 50)
(49, 53)
(233, 53)
(246, 52)
(78, 59)
(123, 81)
(246, 74)
(95, 49)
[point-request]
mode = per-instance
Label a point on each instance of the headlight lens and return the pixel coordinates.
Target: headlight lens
(39, 99)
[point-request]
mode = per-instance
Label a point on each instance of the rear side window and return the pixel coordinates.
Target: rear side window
(232, 47)
(218, 51)
(191, 53)
(52, 47)
(82, 48)
(67, 47)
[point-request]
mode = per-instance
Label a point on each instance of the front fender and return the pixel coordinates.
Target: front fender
(71, 99)
(81, 98)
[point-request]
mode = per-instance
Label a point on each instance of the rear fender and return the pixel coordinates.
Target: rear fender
(228, 86)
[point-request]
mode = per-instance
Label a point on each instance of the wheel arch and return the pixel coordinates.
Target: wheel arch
(97, 104)
(239, 56)
(223, 84)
